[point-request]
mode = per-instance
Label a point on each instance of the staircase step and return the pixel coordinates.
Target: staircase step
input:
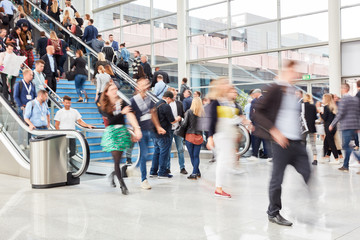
(74, 95)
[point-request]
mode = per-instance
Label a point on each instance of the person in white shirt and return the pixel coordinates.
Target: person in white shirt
(69, 8)
(66, 118)
(39, 78)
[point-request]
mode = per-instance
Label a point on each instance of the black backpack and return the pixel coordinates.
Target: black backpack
(5, 19)
(78, 31)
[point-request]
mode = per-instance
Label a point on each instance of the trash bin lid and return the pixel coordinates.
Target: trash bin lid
(41, 138)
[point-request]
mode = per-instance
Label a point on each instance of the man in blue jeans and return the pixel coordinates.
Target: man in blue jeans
(177, 110)
(349, 117)
(162, 142)
(141, 104)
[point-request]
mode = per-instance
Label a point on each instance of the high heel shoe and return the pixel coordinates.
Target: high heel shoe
(123, 187)
(80, 99)
(111, 179)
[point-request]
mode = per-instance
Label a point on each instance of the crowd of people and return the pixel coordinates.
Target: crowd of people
(281, 118)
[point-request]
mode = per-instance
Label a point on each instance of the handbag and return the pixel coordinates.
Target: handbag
(70, 75)
(180, 131)
(194, 138)
(29, 47)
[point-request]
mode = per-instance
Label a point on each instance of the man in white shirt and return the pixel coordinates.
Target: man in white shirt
(65, 118)
(39, 78)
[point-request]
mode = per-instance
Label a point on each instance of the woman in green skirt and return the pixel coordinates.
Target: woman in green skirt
(116, 138)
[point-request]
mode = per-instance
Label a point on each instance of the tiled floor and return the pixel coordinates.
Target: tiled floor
(182, 209)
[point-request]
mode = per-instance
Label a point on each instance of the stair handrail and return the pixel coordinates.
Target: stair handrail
(118, 71)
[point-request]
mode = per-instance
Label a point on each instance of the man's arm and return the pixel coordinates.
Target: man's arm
(84, 124)
(156, 122)
(339, 116)
(17, 95)
(57, 125)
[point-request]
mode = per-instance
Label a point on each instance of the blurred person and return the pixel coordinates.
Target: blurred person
(7, 85)
(24, 91)
(146, 66)
(162, 143)
(102, 79)
(114, 44)
(124, 58)
(328, 115)
(197, 94)
(299, 94)
(79, 20)
(160, 87)
(136, 64)
(9, 8)
(37, 114)
(23, 20)
(66, 118)
(15, 40)
(108, 51)
(116, 138)
(98, 43)
(41, 44)
(101, 61)
(26, 48)
(57, 43)
(39, 78)
(348, 115)
(193, 137)
(278, 117)
(177, 110)
(159, 72)
(142, 106)
(5, 22)
(86, 20)
(310, 117)
(255, 140)
(222, 134)
(183, 88)
(62, 59)
(187, 100)
(247, 107)
(50, 68)
(81, 75)
(69, 8)
(90, 33)
(54, 12)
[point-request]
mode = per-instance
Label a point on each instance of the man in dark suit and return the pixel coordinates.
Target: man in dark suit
(50, 67)
(146, 66)
(278, 118)
(41, 44)
(114, 44)
(159, 72)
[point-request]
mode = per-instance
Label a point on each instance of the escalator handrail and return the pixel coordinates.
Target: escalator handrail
(117, 70)
(73, 133)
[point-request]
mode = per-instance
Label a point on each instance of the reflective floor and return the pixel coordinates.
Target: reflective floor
(183, 209)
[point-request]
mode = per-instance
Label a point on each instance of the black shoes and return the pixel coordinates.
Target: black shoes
(198, 175)
(123, 187)
(278, 219)
(168, 171)
(111, 179)
(192, 177)
(128, 161)
(183, 171)
(314, 162)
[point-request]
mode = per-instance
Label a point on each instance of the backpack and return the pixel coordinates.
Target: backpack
(78, 31)
(56, 44)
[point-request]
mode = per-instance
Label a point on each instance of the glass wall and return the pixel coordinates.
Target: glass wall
(242, 39)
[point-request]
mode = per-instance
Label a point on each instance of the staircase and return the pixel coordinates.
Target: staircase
(90, 115)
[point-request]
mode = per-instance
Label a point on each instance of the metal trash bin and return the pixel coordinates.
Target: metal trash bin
(48, 161)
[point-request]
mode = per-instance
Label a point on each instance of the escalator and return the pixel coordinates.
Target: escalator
(14, 144)
(91, 55)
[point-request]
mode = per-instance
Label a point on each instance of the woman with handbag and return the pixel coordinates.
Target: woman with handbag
(328, 116)
(116, 138)
(193, 137)
(80, 75)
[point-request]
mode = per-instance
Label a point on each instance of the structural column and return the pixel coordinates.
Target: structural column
(182, 39)
(334, 47)
(88, 7)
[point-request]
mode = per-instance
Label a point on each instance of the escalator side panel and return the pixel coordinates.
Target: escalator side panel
(11, 162)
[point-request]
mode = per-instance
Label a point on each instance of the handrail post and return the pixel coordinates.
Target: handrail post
(52, 112)
(89, 66)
